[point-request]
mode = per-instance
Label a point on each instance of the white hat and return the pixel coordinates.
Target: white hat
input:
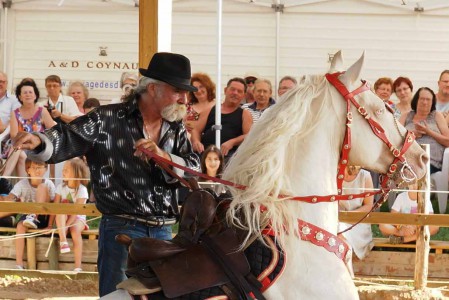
(128, 75)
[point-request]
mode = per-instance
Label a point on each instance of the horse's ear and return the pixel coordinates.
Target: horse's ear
(337, 62)
(353, 73)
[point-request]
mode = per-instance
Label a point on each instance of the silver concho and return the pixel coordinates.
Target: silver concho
(305, 230)
(319, 236)
(331, 242)
(341, 248)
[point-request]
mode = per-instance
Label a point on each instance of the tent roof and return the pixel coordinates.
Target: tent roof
(401, 4)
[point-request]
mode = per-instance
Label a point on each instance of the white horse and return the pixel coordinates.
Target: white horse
(294, 150)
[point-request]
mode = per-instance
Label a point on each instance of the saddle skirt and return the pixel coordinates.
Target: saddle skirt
(203, 259)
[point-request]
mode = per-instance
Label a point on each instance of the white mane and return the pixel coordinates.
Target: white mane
(263, 161)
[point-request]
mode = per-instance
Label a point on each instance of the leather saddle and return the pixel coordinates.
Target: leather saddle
(204, 254)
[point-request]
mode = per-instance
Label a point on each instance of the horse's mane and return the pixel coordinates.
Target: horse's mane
(266, 153)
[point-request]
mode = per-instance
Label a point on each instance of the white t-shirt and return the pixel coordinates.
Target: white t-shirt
(69, 195)
(27, 193)
(65, 105)
(404, 204)
(442, 107)
(7, 104)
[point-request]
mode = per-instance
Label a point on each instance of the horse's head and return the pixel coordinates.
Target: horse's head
(376, 137)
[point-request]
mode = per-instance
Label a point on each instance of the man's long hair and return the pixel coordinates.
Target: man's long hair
(140, 89)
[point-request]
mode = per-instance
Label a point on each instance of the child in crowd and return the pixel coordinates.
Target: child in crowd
(35, 188)
(90, 104)
(360, 238)
(212, 161)
(212, 164)
(406, 203)
(72, 190)
(6, 220)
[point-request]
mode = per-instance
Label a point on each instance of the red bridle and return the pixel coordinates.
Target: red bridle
(399, 155)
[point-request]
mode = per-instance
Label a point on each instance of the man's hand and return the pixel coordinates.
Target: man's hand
(55, 113)
(149, 145)
(226, 147)
(407, 230)
(198, 147)
(26, 141)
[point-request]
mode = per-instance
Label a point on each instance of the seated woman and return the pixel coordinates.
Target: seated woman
(406, 203)
(29, 117)
(429, 125)
(201, 101)
(383, 87)
(360, 238)
(403, 88)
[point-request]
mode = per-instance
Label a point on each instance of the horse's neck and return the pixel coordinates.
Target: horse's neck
(315, 174)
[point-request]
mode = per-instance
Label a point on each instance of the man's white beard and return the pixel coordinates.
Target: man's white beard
(174, 112)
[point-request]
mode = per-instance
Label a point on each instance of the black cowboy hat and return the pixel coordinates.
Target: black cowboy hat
(170, 68)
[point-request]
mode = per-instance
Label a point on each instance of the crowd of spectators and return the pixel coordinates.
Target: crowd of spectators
(245, 100)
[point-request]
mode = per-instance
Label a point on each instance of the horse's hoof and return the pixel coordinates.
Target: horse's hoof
(123, 239)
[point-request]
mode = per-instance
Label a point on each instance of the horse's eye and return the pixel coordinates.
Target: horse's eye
(379, 111)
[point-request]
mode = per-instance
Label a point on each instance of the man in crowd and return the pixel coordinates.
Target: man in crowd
(236, 122)
(8, 103)
(262, 96)
(60, 106)
(135, 197)
(286, 83)
(443, 94)
(249, 78)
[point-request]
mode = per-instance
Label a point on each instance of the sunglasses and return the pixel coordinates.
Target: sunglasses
(250, 81)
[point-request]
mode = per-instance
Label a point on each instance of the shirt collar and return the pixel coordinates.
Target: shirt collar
(7, 95)
(270, 102)
(132, 108)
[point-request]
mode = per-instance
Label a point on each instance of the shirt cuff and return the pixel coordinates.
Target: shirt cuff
(43, 152)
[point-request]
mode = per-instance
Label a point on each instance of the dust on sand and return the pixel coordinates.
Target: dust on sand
(19, 287)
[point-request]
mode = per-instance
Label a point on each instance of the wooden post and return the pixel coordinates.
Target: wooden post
(31, 253)
(148, 29)
(422, 241)
(53, 255)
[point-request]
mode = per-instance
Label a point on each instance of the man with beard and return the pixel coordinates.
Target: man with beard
(236, 122)
(135, 196)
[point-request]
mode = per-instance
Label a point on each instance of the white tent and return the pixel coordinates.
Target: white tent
(294, 37)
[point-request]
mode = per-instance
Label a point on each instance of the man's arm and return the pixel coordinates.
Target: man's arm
(197, 131)
(61, 142)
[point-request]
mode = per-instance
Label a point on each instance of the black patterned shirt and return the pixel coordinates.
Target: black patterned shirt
(122, 183)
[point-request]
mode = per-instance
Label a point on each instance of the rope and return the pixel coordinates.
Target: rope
(38, 233)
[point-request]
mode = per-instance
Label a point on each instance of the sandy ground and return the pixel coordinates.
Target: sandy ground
(19, 287)
(16, 287)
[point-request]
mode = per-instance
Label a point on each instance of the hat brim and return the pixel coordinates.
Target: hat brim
(172, 82)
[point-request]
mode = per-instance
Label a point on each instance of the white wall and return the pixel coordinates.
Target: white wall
(398, 41)
(68, 44)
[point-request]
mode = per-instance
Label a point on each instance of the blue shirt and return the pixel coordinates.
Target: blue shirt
(7, 104)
